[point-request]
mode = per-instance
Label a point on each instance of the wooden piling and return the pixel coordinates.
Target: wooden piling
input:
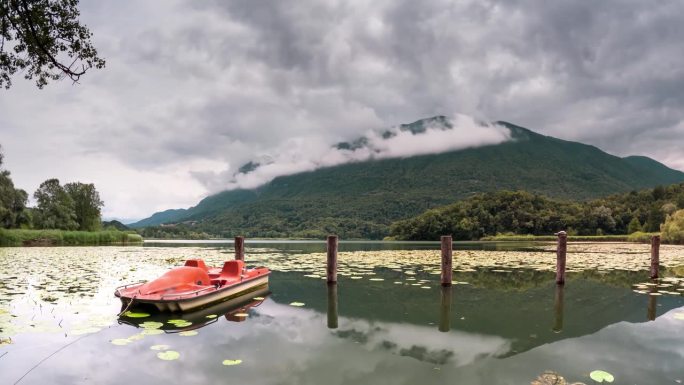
(561, 251)
(655, 256)
(332, 259)
(445, 309)
(332, 306)
(239, 248)
(446, 260)
(558, 305)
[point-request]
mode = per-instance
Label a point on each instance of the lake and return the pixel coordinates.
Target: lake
(388, 321)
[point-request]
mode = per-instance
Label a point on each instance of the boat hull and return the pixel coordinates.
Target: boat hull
(199, 300)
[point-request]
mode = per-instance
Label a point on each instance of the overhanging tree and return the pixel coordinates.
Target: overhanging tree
(44, 40)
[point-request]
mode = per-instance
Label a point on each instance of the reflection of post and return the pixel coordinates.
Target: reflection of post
(332, 306)
(558, 309)
(445, 310)
(652, 304)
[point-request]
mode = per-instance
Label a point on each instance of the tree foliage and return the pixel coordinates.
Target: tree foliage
(673, 229)
(87, 205)
(13, 211)
(521, 212)
(44, 40)
(76, 206)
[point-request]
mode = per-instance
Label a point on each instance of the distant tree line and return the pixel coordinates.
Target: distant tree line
(519, 212)
(74, 206)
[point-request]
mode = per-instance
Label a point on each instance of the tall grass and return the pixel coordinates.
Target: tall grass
(17, 237)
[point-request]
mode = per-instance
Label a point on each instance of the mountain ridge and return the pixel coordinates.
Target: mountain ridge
(361, 199)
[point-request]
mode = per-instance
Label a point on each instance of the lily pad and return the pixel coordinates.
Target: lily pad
(679, 316)
(160, 347)
(151, 325)
(188, 333)
(376, 279)
(211, 316)
(120, 341)
(601, 376)
(79, 332)
(297, 304)
(258, 298)
(168, 355)
(241, 315)
(131, 314)
(231, 362)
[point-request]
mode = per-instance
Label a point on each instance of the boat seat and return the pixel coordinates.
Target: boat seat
(196, 263)
(233, 268)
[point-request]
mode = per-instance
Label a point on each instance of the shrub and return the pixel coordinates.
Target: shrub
(673, 229)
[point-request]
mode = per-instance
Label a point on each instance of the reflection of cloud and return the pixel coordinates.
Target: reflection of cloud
(455, 348)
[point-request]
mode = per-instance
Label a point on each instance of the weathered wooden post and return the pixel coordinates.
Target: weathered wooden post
(446, 260)
(655, 255)
(561, 250)
(332, 306)
(652, 306)
(332, 259)
(558, 309)
(240, 248)
(445, 309)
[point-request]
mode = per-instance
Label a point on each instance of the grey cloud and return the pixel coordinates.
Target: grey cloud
(204, 87)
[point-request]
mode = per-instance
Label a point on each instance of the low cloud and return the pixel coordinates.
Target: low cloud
(307, 154)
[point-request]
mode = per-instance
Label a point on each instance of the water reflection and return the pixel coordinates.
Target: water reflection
(332, 305)
(445, 309)
(652, 305)
(558, 309)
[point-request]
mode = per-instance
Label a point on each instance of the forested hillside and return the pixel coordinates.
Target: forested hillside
(520, 212)
(361, 200)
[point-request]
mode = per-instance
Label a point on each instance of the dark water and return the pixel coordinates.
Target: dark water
(502, 327)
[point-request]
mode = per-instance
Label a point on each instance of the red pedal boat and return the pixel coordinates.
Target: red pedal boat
(194, 286)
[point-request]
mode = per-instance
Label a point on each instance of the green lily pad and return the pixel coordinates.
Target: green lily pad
(211, 316)
(131, 314)
(258, 298)
(601, 376)
(136, 337)
(679, 316)
(120, 341)
(160, 347)
(168, 355)
(231, 362)
(376, 279)
(241, 315)
(188, 333)
(151, 325)
(297, 304)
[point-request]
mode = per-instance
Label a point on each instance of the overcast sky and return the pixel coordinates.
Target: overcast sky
(193, 90)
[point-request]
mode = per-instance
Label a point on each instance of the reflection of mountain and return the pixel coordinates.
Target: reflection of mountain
(416, 341)
(360, 199)
(525, 317)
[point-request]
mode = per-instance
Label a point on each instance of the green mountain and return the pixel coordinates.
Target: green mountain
(360, 200)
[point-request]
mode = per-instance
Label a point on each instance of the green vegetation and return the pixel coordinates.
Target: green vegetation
(18, 237)
(361, 200)
(673, 228)
(638, 237)
(64, 215)
(521, 213)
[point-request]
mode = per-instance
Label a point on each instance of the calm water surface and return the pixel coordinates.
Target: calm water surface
(384, 323)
